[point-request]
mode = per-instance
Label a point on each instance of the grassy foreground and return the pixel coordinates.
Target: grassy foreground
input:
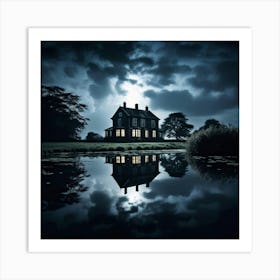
(55, 147)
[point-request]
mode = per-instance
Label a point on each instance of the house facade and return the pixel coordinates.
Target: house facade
(133, 125)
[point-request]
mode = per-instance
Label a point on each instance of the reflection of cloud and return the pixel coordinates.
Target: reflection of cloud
(186, 207)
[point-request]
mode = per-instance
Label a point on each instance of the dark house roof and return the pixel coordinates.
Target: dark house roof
(130, 112)
(132, 180)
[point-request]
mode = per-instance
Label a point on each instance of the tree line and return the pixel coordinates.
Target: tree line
(62, 119)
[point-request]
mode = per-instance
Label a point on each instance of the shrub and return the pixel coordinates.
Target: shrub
(119, 148)
(214, 141)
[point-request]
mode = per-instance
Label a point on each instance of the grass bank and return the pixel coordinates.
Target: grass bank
(56, 147)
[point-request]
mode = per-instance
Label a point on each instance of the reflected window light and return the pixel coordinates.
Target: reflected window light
(154, 158)
(118, 159)
(136, 159)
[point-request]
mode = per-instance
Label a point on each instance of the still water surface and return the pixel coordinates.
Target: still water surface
(139, 195)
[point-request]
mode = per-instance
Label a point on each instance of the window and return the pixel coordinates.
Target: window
(120, 159)
(120, 114)
(106, 133)
(119, 122)
(134, 121)
(142, 122)
(146, 158)
(136, 159)
(120, 132)
(147, 133)
(136, 133)
(153, 123)
(154, 134)
(110, 133)
(154, 158)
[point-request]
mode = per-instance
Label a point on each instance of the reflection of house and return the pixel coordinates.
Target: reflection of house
(133, 125)
(134, 170)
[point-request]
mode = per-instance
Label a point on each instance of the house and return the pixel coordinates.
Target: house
(134, 170)
(133, 125)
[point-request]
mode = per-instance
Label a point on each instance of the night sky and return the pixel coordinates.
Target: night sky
(199, 79)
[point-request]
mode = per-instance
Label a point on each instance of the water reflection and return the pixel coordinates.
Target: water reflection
(152, 195)
(215, 167)
(61, 183)
(134, 170)
(174, 164)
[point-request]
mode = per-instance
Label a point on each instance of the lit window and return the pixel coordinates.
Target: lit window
(153, 123)
(146, 158)
(154, 158)
(118, 159)
(154, 134)
(122, 132)
(134, 121)
(136, 159)
(136, 133)
(142, 122)
(118, 132)
(147, 133)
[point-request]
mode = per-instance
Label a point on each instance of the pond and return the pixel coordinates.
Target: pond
(144, 195)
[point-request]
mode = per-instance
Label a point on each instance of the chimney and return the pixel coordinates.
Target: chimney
(136, 106)
(147, 108)
(124, 104)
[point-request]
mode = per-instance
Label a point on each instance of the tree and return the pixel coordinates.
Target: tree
(61, 115)
(175, 125)
(176, 165)
(92, 136)
(211, 123)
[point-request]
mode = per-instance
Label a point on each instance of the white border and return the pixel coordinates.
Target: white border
(243, 35)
